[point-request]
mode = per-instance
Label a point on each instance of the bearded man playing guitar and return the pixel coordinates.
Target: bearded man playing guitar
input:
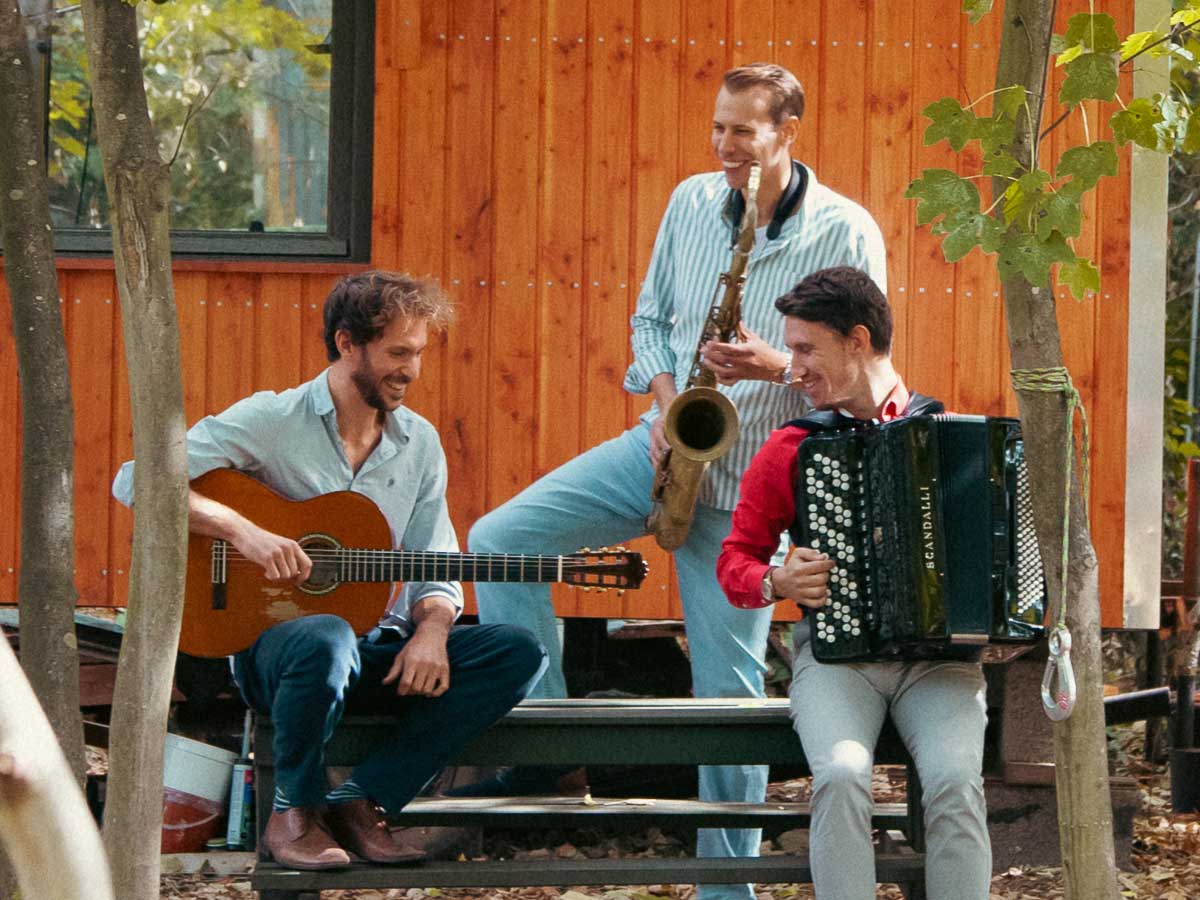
(347, 429)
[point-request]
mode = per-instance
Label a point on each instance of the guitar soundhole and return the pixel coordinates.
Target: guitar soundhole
(322, 549)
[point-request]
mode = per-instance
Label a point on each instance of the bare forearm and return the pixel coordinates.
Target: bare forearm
(213, 519)
(662, 386)
(434, 614)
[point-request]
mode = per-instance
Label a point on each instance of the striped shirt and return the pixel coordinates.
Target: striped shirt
(691, 251)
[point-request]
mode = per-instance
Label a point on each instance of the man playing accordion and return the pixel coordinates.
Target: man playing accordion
(838, 327)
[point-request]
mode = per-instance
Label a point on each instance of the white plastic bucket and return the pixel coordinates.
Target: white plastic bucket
(196, 780)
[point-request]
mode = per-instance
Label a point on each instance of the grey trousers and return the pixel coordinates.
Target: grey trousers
(939, 708)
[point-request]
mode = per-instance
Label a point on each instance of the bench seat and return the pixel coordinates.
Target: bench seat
(608, 733)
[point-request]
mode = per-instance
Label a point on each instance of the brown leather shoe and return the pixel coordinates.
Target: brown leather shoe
(296, 839)
(359, 828)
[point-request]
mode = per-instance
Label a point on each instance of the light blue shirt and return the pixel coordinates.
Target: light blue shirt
(691, 251)
(290, 442)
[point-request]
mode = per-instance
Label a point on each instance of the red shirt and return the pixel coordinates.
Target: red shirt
(767, 506)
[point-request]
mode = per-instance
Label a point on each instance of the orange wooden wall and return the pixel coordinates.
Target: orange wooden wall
(524, 153)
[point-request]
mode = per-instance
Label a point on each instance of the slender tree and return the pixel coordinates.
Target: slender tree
(137, 180)
(46, 584)
(1030, 226)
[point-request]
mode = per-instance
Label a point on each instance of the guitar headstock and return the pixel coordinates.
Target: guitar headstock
(608, 567)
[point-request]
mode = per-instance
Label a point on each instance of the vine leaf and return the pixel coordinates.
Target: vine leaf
(1137, 43)
(941, 192)
(966, 230)
(1061, 211)
(1093, 76)
(1023, 197)
(976, 9)
(1191, 140)
(999, 162)
(1024, 254)
(1138, 122)
(1095, 32)
(1008, 102)
(1080, 276)
(950, 122)
(1088, 164)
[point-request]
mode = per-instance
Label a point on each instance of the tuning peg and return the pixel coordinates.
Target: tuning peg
(585, 549)
(586, 589)
(620, 592)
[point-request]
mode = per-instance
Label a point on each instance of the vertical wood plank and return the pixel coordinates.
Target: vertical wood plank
(230, 304)
(471, 222)
(752, 29)
(120, 522)
(889, 138)
(843, 86)
(278, 326)
(1107, 413)
(931, 287)
(422, 144)
(10, 448)
(387, 169)
(706, 52)
(191, 311)
(980, 352)
(90, 318)
(797, 48)
(310, 305)
(513, 383)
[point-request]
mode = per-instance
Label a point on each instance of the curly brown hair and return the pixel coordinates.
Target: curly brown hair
(364, 303)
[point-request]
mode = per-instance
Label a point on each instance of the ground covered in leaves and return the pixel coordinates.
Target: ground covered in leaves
(1166, 855)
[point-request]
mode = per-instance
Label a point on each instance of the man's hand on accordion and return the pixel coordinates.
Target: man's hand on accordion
(804, 577)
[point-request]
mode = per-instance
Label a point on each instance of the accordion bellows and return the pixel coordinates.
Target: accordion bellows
(929, 522)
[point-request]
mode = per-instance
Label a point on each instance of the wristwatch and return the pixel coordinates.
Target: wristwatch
(785, 376)
(768, 589)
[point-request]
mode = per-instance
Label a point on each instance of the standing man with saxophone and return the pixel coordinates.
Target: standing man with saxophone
(603, 496)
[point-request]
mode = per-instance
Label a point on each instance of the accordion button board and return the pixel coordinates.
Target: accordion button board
(929, 525)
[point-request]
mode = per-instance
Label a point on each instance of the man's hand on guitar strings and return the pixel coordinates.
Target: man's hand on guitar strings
(282, 559)
(804, 577)
(422, 668)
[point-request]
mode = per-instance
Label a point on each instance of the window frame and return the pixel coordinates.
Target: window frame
(347, 237)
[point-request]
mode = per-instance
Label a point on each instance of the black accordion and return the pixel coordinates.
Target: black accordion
(929, 522)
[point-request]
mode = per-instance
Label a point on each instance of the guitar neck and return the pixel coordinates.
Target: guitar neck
(413, 565)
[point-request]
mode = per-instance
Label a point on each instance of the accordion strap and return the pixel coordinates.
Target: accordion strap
(831, 420)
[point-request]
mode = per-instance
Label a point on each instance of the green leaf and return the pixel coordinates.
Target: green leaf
(1186, 17)
(1137, 42)
(999, 162)
(1080, 276)
(1138, 122)
(976, 9)
(1023, 196)
(1057, 44)
(995, 133)
(964, 231)
(1024, 255)
(950, 122)
(1062, 212)
(1191, 140)
(1007, 102)
(1097, 32)
(1069, 54)
(1088, 164)
(1173, 128)
(69, 144)
(942, 192)
(1093, 76)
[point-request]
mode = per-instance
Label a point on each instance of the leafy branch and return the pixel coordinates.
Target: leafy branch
(1031, 226)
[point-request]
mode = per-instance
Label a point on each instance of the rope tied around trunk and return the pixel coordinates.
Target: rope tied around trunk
(1058, 700)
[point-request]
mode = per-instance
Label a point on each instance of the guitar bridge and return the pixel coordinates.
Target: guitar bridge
(220, 562)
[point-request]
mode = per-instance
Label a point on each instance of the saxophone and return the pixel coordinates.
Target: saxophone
(701, 423)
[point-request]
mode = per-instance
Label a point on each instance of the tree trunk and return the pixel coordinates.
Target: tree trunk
(136, 178)
(46, 583)
(45, 824)
(1080, 749)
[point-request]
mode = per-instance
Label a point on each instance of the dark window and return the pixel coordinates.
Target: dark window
(265, 108)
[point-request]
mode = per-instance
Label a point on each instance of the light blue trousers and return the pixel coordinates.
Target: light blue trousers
(602, 497)
(940, 710)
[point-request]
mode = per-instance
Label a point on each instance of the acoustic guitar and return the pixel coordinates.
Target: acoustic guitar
(229, 602)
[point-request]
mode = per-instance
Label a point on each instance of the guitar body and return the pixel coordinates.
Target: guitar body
(252, 604)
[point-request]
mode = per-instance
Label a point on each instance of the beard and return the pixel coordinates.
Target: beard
(368, 388)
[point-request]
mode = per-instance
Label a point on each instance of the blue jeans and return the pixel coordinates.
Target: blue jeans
(940, 710)
(602, 497)
(306, 672)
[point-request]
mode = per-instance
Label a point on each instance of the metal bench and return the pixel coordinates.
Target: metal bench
(608, 732)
